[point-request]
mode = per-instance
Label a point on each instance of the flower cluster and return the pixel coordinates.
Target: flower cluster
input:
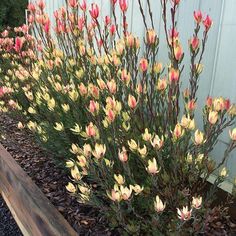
(110, 112)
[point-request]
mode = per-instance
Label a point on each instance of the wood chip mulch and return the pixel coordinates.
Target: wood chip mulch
(37, 163)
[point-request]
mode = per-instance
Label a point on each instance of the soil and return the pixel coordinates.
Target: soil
(37, 163)
(8, 226)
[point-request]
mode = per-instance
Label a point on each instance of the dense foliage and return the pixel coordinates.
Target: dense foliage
(117, 117)
(12, 13)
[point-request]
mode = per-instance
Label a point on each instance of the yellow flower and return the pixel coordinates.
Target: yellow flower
(75, 173)
(20, 125)
(224, 172)
(76, 129)
(74, 148)
(189, 158)
(115, 194)
(73, 95)
(178, 132)
(152, 167)
(125, 192)
(157, 142)
(70, 188)
(132, 145)
(99, 151)
(159, 206)
(84, 189)
(197, 202)
(32, 125)
(187, 122)
(65, 107)
(119, 179)
(157, 67)
(213, 117)
(69, 164)
(59, 126)
(146, 136)
(82, 161)
(51, 104)
(232, 134)
(136, 188)
(31, 110)
(87, 150)
(143, 151)
(198, 138)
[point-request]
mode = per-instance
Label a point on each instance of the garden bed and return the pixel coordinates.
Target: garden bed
(36, 163)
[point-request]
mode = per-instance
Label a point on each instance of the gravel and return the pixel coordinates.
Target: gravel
(8, 226)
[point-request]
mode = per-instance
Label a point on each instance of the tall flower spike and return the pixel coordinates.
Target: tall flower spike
(94, 12)
(123, 5)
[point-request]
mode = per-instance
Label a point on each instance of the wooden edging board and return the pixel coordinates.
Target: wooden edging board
(32, 211)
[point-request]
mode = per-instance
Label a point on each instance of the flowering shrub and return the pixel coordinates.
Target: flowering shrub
(118, 118)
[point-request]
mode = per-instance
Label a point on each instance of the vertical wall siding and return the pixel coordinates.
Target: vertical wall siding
(218, 77)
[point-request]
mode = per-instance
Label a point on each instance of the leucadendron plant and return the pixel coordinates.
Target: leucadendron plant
(117, 118)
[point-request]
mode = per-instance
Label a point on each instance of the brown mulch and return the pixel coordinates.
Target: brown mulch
(37, 163)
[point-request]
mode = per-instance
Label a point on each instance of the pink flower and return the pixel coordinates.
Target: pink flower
(132, 102)
(112, 29)
(176, 2)
(227, 104)
(197, 16)
(47, 26)
(123, 156)
(123, 5)
(173, 33)
(73, 3)
(107, 20)
(18, 44)
(41, 4)
(143, 64)
(178, 51)
(194, 43)
(173, 75)
(94, 12)
(31, 7)
(184, 214)
(81, 22)
(83, 6)
(2, 91)
(113, 2)
(207, 23)
(209, 101)
(5, 33)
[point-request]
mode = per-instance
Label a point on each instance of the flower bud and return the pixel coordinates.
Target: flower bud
(173, 75)
(198, 137)
(197, 202)
(132, 103)
(70, 188)
(94, 12)
(232, 134)
(197, 16)
(152, 167)
(207, 22)
(119, 179)
(123, 156)
(159, 206)
(151, 37)
(143, 65)
(213, 117)
(224, 172)
(123, 5)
